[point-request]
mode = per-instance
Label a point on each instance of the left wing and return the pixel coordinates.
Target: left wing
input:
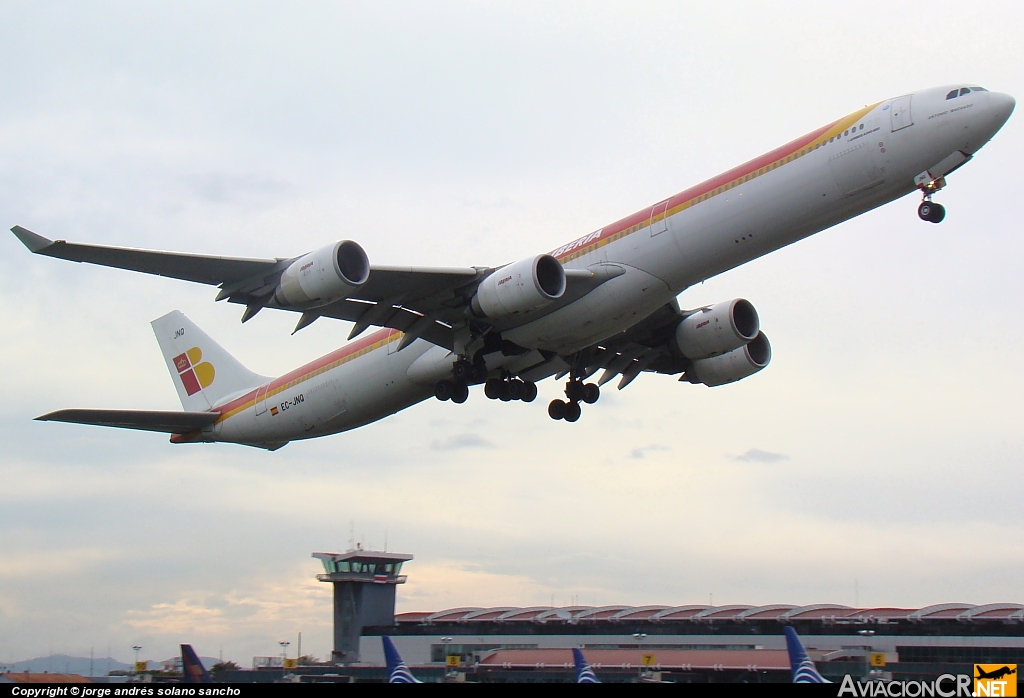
(422, 302)
(403, 298)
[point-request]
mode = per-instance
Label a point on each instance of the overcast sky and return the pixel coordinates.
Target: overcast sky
(881, 451)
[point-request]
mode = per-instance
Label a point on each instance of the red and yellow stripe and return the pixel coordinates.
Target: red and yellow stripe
(715, 186)
(349, 352)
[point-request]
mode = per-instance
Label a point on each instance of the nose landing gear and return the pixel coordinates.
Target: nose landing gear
(577, 391)
(929, 210)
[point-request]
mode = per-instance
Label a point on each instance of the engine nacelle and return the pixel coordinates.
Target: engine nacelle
(717, 330)
(734, 365)
(519, 288)
(323, 276)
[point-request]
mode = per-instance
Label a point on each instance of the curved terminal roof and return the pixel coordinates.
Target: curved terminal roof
(783, 613)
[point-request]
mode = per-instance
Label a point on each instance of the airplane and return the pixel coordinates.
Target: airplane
(192, 669)
(607, 301)
(801, 666)
(584, 674)
(398, 672)
(995, 673)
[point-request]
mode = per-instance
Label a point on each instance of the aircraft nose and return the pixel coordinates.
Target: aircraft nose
(1001, 106)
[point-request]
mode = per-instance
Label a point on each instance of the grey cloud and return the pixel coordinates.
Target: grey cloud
(642, 451)
(756, 455)
(460, 441)
(227, 188)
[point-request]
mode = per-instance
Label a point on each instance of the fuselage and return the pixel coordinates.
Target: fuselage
(868, 158)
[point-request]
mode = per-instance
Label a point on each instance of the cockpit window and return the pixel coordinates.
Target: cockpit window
(964, 90)
(979, 89)
(952, 94)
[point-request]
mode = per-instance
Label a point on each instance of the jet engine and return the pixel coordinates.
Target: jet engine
(323, 276)
(732, 366)
(718, 329)
(519, 288)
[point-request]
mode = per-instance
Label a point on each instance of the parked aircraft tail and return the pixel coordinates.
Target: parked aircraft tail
(800, 665)
(584, 674)
(192, 669)
(202, 371)
(398, 672)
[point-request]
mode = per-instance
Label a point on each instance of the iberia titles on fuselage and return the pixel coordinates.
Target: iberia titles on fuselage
(605, 302)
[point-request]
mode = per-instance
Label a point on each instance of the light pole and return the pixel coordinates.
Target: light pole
(284, 652)
(444, 641)
(640, 637)
(137, 648)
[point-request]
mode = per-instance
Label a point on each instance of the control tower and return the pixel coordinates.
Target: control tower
(364, 594)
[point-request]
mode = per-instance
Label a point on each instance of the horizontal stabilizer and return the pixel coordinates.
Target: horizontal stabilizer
(169, 422)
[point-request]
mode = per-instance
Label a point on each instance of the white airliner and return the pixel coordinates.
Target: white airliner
(604, 302)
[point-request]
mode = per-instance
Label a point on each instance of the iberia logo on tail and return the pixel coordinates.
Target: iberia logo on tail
(195, 373)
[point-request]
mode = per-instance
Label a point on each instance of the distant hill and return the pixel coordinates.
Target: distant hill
(62, 663)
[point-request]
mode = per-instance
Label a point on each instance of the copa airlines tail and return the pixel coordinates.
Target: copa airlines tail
(398, 672)
(584, 674)
(801, 666)
(192, 669)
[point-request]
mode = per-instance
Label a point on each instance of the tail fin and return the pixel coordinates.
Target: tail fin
(192, 669)
(203, 373)
(398, 672)
(800, 665)
(584, 674)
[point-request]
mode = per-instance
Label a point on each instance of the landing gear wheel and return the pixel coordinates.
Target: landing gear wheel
(591, 393)
(529, 392)
(460, 393)
(492, 388)
(505, 392)
(575, 391)
(463, 370)
(572, 412)
(516, 389)
(556, 410)
(931, 212)
(443, 390)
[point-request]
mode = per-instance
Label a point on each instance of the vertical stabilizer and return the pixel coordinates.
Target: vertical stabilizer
(398, 672)
(202, 372)
(584, 674)
(800, 665)
(192, 669)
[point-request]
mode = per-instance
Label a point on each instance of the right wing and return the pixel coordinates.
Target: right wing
(168, 422)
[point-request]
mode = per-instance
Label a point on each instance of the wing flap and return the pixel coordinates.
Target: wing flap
(168, 422)
(203, 269)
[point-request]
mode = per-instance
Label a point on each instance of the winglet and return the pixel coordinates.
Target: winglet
(33, 242)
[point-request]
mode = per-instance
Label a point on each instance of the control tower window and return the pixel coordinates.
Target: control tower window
(964, 91)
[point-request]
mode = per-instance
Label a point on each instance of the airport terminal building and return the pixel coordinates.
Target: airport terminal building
(691, 643)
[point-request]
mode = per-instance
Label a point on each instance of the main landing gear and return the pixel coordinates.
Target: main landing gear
(929, 210)
(456, 388)
(577, 391)
(510, 389)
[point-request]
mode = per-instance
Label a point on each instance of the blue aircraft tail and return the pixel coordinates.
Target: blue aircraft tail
(192, 670)
(584, 674)
(800, 665)
(398, 672)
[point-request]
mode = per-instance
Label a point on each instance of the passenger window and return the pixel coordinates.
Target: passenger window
(951, 95)
(862, 127)
(964, 91)
(846, 132)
